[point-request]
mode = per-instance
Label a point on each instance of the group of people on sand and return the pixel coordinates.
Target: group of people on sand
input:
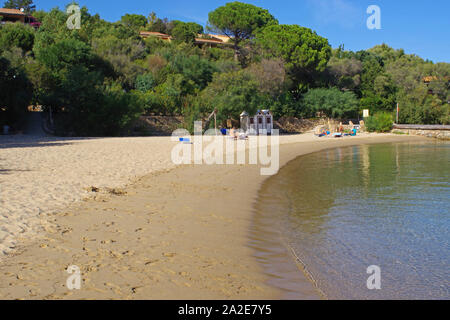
(234, 133)
(339, 132)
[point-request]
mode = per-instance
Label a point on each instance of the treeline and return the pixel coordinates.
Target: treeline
(99, 79)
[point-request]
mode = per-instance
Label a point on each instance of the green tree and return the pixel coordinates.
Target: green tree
(332, 102)
(185, 32)
(157, 24)
(52, 29)
(305, 53)
(39, 15)
(239, 21)
(66, 54)
(15, 94)
(61, 61)
(197, 72)
(231, 93)
(271, 75)
(421, 107)
(93, 108)
(134, 21)
(16, 35)
(76, 87)
(344, 73)
(192, 26)
(122, 55)
(378, 90)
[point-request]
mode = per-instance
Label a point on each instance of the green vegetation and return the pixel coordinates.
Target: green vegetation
(331, 102)
(380, 122)
(239, 21)
(15, 93)
(17, 35)
(98, 80)
(305, 53)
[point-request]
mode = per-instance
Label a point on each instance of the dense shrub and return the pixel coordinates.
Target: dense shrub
(145, 82)
(380, 122)
(231, 93)
(196, 71)
(331, 102)
(102, 110)
(15, 94)
(423, 108)
(16, 35)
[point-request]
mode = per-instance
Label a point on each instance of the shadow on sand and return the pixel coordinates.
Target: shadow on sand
(28, 141)
(9, 171)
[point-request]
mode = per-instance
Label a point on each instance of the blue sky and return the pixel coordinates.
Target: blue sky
(418, 26)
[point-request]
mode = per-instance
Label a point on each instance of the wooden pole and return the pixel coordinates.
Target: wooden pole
(215, 123)
(398, 111)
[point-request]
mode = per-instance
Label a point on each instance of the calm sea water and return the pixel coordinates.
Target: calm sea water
(343, 210)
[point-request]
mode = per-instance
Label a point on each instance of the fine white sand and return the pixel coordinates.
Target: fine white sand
(41, 175)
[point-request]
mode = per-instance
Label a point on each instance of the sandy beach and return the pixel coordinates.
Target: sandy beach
(138, 226)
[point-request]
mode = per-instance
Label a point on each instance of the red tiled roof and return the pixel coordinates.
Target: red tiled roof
(220, 37)
(151, 33)
(164, 36)
(208, 40)
(160, 35)
(433, 78)
(12, 11)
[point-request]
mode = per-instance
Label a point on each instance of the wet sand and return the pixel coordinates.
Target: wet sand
(184, 233)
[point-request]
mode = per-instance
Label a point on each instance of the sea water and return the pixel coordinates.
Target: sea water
(339, 211)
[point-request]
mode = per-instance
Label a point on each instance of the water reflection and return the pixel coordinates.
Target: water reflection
(342, 210)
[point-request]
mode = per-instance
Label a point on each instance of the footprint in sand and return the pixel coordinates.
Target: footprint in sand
(151, 262)
(107, 241)
(109, 224)
(66, 231)
(169, 255)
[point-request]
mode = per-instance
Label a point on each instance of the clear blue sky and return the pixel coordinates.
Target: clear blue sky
(418, 26)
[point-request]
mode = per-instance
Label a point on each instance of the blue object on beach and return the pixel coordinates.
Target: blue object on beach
(353, 132)
(185, 140)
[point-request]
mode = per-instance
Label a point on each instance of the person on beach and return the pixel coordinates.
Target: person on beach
(233, 133)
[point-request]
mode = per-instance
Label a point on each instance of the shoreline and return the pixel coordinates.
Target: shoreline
(280, 264)
(178, 245)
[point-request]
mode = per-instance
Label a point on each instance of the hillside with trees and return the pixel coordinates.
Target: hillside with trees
(99, 79)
